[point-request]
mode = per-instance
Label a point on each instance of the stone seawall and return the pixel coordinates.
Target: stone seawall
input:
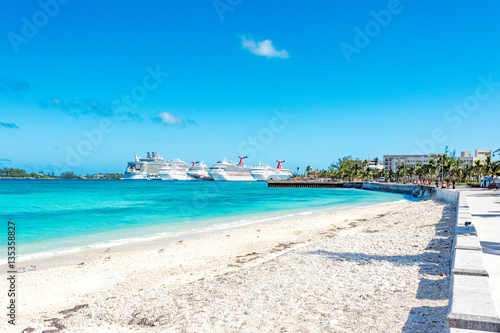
(423, 192)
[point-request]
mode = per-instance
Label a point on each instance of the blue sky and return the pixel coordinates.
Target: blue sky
(303, 81)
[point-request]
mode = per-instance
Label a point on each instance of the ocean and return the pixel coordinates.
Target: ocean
(64, 216)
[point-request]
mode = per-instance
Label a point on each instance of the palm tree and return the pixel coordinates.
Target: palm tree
(431, 168)
(401, 171)
(441, 164)
(488, 167)
(308, 170)
(364, 164)
(389, 175)
(376, 160)
(468, 172)
(455, 169)
(410, 171)
(420, 171)
(477, 169)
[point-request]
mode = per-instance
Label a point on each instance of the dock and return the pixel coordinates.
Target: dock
(281, 183)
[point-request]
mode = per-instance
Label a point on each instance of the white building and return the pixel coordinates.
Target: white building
(391, 162)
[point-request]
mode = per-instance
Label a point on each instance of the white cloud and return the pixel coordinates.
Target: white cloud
(264, 48)
(170, 119)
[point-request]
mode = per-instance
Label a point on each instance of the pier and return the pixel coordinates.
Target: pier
(279, 183)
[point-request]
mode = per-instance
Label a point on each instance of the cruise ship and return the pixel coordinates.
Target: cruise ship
(174, 170)
(266, 172)
(145, 168)
(224, 170)
(199, 171)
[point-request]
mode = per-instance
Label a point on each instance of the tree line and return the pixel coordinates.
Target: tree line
(21, 173)
(442, 167)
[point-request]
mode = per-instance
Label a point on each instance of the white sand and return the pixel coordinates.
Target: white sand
(375, 269)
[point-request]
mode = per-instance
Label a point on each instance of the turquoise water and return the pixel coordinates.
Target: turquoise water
(54, 216)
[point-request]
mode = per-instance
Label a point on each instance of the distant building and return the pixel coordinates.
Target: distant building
(480, 155)
(372, 165)
(391, 162)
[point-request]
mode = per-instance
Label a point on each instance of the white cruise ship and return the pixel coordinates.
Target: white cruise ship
(174, 170)
(199, 171)
(144, 168)
(266, 172)
(224, 170)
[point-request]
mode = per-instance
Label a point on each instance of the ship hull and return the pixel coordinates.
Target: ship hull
(175, 176)
(232, 177)
(135, 176)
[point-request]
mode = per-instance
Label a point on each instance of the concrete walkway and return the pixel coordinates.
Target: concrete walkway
(485, 210)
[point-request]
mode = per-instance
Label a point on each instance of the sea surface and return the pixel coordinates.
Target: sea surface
(64, 216)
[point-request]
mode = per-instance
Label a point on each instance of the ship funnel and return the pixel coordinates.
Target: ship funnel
(279, 164)
(194, 163)
(241, 159)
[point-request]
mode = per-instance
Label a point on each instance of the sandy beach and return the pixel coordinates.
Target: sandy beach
(376, 269)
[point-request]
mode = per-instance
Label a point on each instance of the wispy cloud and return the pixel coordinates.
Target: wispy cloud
(88, 107)
(13, 86)
(169, 119)
(9, 125)
(5, 160)
(264, 48)
(78, 107)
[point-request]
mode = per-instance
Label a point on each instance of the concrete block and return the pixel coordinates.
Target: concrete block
(462, 330)
(463, 230)
(467, 242)
(464, 214)
(472, 305)
(468, 262)
(462, 219)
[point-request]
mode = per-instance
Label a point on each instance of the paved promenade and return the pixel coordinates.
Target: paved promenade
(485, 210)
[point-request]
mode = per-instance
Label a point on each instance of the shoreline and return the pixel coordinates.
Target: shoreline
(121, 275)
(79, 254)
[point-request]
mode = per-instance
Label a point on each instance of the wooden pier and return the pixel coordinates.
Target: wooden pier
(304, 184)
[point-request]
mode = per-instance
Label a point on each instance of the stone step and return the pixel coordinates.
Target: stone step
(468, 262)
(467, 242)
(471, 305)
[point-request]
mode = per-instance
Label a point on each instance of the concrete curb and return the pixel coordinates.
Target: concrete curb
(472, 305)
(468, 262)
(461, 330)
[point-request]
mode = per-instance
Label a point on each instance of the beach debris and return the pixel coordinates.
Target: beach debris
(108, 249)
(181, 241)
(282, 246)
(74, 309)
(82, 263)
(35, 267)
(161, 251)
(228, 235)
(56, 323)
(108, 258)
